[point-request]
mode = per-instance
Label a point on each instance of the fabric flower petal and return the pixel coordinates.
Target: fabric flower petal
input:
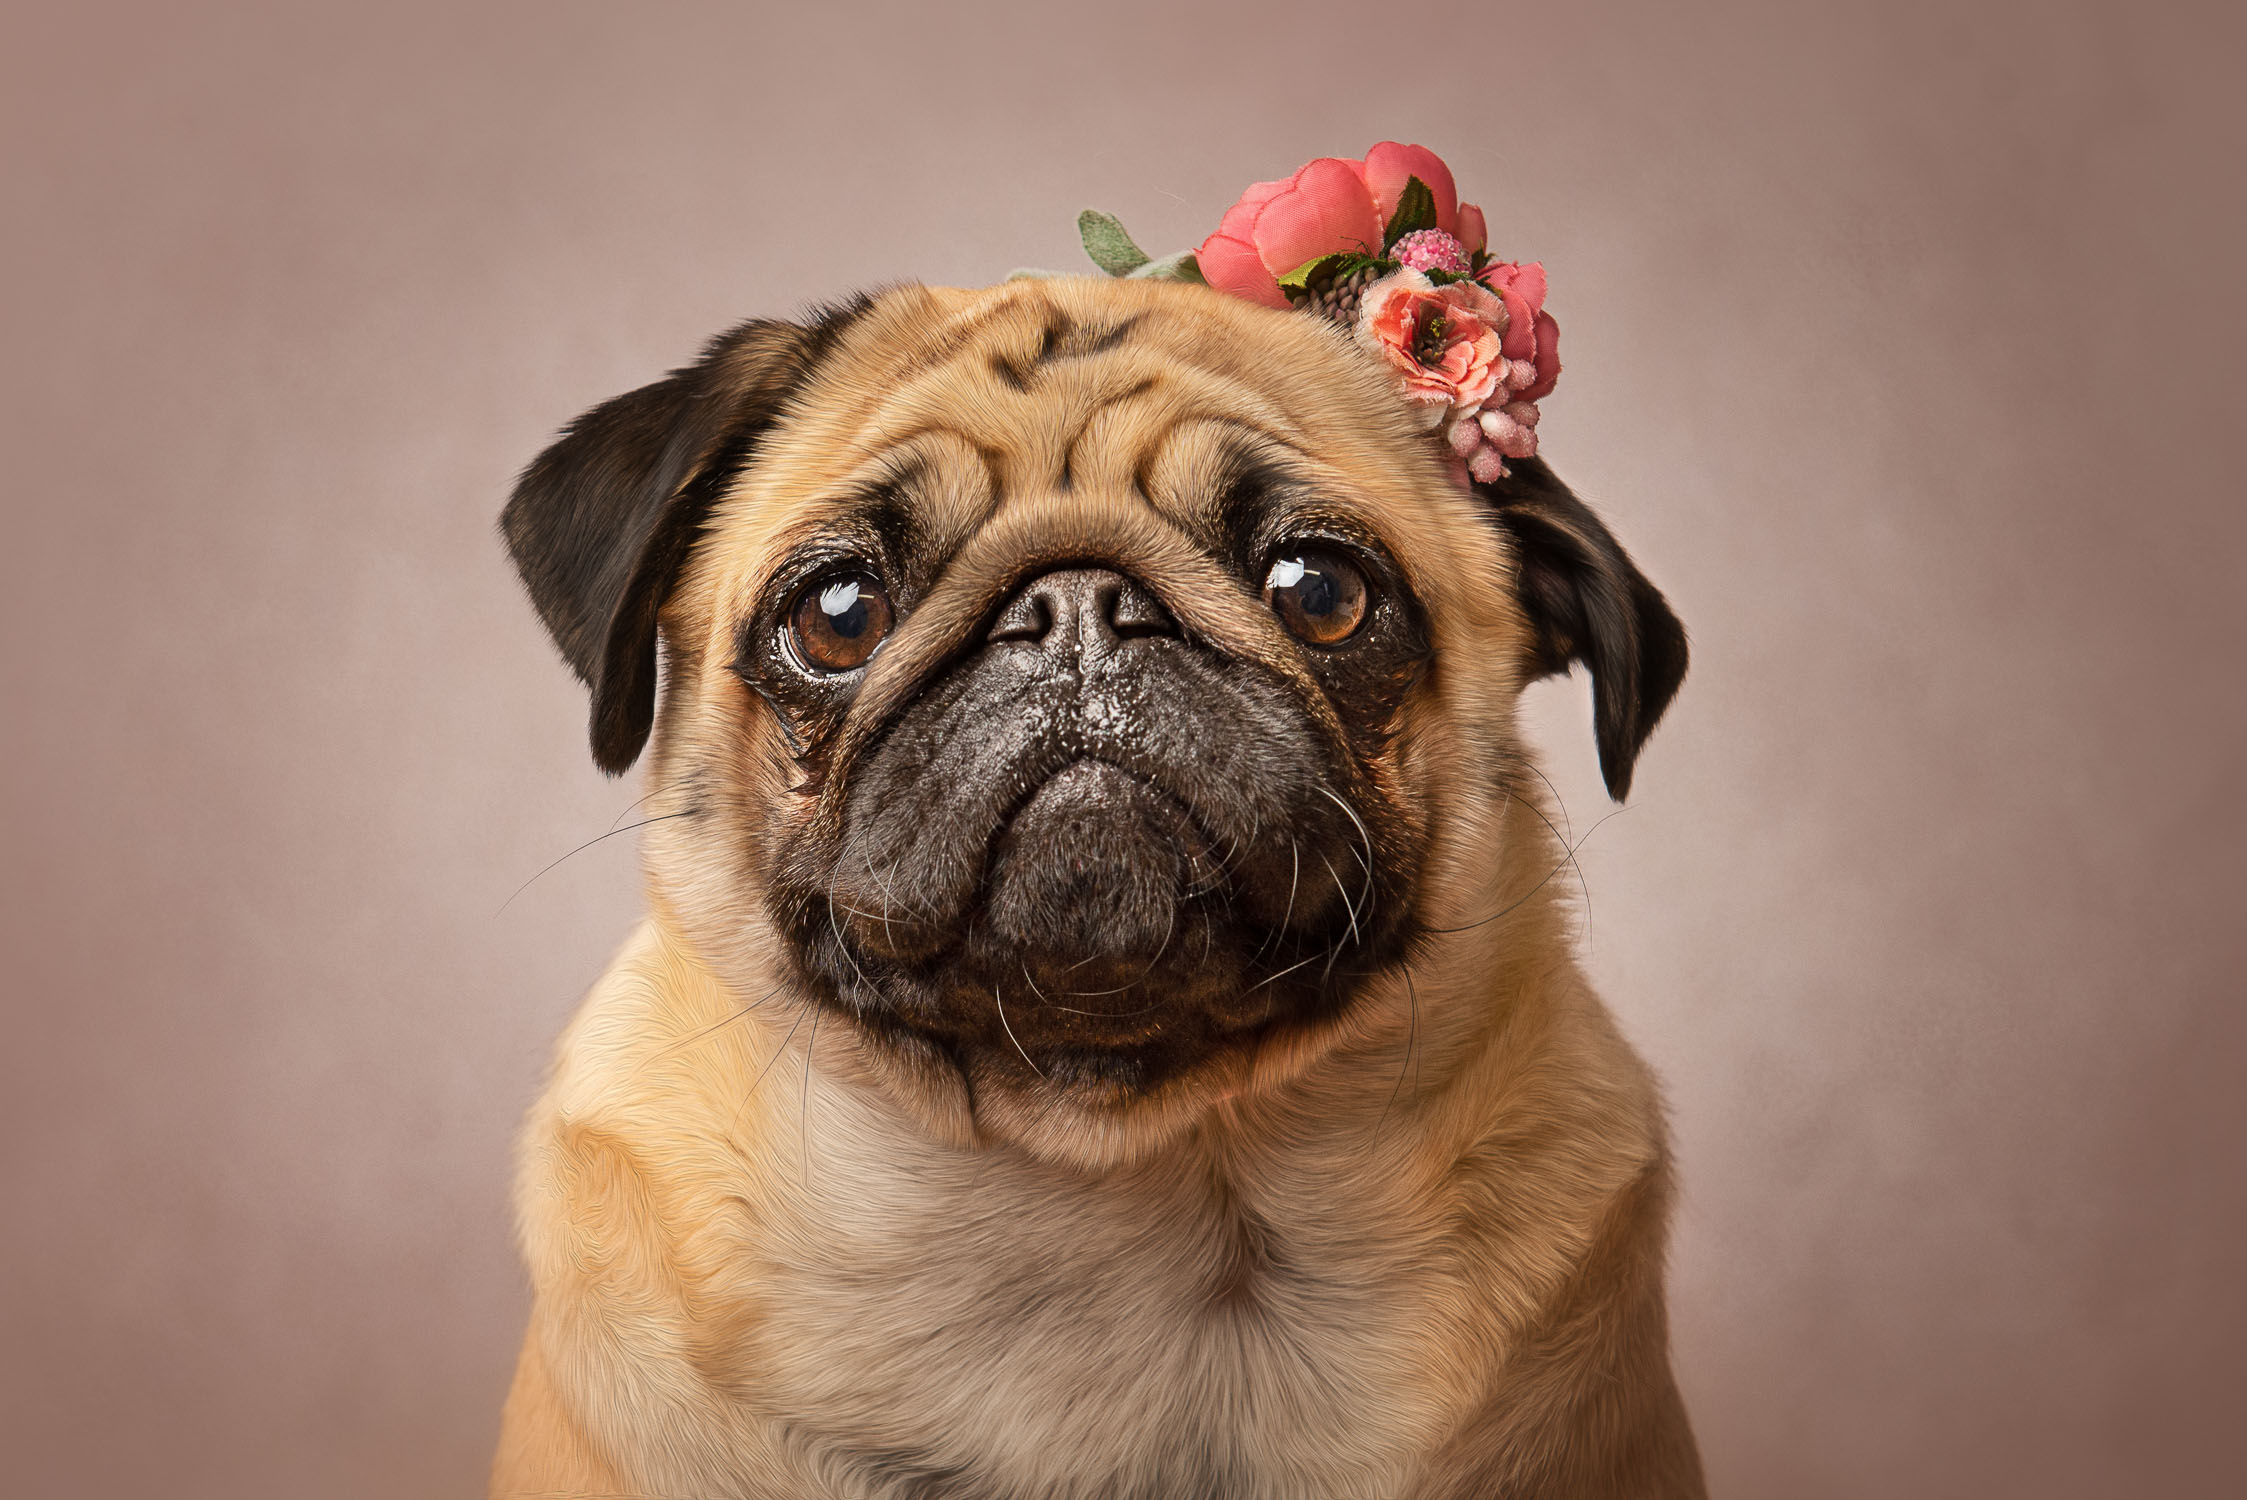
(1548, 359)
(1240, 220)
(1525, 281)
(1265, 192)
(1521, 325)
(1473, 233)
(1324, 208)
(1389, 166)
(1232, 265)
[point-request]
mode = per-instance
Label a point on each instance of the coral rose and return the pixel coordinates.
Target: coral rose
(1444, 343)
(1277, 226)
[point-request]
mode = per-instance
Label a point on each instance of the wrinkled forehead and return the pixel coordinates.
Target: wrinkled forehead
(1080, 395)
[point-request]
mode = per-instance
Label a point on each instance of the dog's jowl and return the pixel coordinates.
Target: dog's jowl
(1105, 1023)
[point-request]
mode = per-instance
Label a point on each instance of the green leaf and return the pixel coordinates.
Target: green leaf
(1332, 267)
(1302, 276)
(1180, 267)
(1032, 273)
(1416, 210)
(1109, 246)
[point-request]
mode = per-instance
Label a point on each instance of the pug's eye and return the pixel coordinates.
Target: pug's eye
(838, 620)
(1320, 596)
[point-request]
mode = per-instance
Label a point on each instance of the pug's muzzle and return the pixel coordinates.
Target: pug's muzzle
(1093, 846)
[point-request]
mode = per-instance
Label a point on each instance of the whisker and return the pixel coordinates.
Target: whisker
(1582, 885)
(1294, 873)
(637, 801)
(589, 843)
(1347, 904)
(755, 1083)
(1540, 885)
(890, 903)
(1170, 930)
(1364, 837)
(1558, 801)
(1282, 974)
(803, 1107)
(1105, 1015)
(998, 1000)
(835, 926)
(1411, 1039)
(697, 1035)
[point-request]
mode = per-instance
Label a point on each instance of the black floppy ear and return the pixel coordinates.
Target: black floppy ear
(601, 523)
(1587, 602)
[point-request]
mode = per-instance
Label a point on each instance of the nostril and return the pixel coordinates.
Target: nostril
(1025, 618)
(1134, 611)
(1079, 607)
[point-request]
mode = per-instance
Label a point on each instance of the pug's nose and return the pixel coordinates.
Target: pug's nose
(1082, 613)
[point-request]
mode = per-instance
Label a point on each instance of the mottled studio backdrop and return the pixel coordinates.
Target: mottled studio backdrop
(1904, 349)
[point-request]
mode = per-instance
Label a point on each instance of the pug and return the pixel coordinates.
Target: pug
(1105, 1023)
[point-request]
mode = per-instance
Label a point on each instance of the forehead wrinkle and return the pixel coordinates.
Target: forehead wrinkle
(1108, 453)
(1119, 435)
(986, 317)
(1192, 463)
(1024, 434)
(969, 401)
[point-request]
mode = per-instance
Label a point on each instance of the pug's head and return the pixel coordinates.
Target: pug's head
(1080, 693)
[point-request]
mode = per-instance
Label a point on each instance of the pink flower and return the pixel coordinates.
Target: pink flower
(1329, 205)
(1277, 226)
(1532, 337)
(1388, 167)
(1473, 357)
(1430, 250)
(1444, 343)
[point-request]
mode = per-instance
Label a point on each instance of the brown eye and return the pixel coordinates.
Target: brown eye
(1319, 596)
(837, 622)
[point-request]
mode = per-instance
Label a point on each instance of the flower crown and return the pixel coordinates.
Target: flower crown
(1384, 247)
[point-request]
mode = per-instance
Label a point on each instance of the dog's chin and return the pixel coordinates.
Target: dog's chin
(1090, 1108)
(1116, 971)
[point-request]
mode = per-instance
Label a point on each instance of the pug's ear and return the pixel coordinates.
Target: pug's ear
(601, 523)
(1587, 602)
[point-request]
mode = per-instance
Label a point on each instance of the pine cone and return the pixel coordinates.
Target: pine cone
(1337, 297)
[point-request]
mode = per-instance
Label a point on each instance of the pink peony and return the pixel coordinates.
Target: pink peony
(1278, 226)
(1444, 343)
(1329, 205)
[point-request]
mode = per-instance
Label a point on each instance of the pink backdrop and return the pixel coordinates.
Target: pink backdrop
(1903, 348)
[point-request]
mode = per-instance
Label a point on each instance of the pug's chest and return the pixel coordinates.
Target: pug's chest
(1162, 1365)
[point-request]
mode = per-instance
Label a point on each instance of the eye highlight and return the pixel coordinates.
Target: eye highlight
(838, 620)
(1319, 595)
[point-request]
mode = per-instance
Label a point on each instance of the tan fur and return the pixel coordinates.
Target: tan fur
(1412, 1253)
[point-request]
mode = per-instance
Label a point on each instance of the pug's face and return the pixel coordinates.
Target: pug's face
(1080, 693)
